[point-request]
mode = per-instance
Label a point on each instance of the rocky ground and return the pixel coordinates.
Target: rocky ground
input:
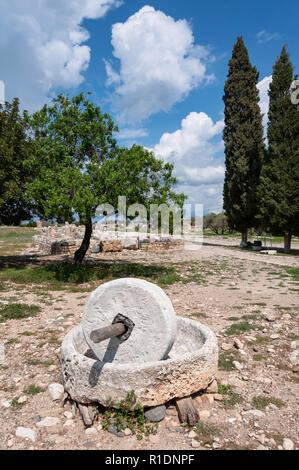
(249, 300)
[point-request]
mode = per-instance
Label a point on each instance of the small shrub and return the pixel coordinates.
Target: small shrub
(128, 414)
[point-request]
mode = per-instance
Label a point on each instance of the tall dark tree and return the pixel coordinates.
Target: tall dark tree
(14, 177)
(279, 188)
(243, 139)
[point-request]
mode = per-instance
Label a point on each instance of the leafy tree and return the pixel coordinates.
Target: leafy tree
(216, 222)
(279, 188)
(14, 149)
(243, 139)
(80, 166)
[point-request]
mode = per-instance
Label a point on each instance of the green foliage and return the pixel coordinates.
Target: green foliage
(14, 177)
(243, 139)
(17, 311)
(279, 189)
(128, 414)
(79, 166)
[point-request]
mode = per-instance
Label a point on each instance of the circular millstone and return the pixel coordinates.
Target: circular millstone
(144, 304)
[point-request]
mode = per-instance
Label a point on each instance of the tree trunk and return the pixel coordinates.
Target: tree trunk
(287, 242)
(81, 252)
(244, 236)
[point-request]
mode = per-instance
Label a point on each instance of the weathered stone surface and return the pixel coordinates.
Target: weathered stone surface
(155, 414)
(146, 305)
(190, 367)
(110, 246)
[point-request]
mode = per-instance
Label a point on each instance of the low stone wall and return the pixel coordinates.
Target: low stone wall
(67, 239)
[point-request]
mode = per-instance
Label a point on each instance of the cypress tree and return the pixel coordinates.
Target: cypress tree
(279, 188)
(243, 139)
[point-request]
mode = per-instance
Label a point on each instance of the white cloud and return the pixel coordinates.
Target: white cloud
(263, 87)
(264, 36)
(41, 45)
(196, 149)
(131, 133)
(159, 63)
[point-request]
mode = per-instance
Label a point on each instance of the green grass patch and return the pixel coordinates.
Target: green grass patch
(260, 402)
(206, 432)
(294, 272)
(13, 341)
(226, 358)
(238, 328)
(68, 275)
(231, 398)
(199, 315)
(259, 357)
(33, 390)
(17, 311)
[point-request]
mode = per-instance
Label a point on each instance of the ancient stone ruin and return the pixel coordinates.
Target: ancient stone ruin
(66, 239)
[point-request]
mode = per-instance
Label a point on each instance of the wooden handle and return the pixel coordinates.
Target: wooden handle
(110, 331)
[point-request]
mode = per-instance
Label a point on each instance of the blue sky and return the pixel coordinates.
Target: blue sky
(157, 67)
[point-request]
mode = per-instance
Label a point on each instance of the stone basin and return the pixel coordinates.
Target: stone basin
(190, 367)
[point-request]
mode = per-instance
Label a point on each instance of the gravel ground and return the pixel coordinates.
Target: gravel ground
(249, 300)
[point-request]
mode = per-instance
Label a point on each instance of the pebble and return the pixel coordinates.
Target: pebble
(47, 422)
(56, 391)
(68, 414)
(270, 317)
(213, 387)
(237, 365)
(113, 430)
(288, 444)
(156, 413)
(192, 434)
(274, 336)
(218, 397)
(26, 432)
(69, 422)
(6, 403)
(238, 344)
(22, 399)
(257, 413)
(195, 444)
(91, 432)
(226, 346)
(127, 432)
